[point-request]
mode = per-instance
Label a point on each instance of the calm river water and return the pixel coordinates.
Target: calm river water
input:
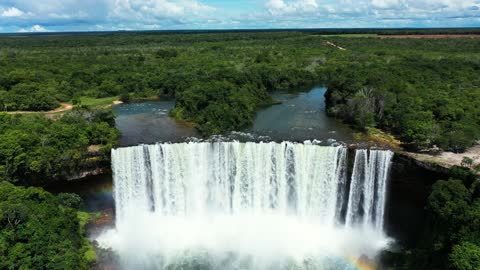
(299, 117)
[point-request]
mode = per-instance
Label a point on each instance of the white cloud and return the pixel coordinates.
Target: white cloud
(386, 4)
(55, 11)
(73, 15)
(38, 28)
(12, 12)
(34, 29)
(155, 10)
(280, 7)
(426, 6)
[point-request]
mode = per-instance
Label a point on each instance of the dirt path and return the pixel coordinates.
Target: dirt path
(63, 108)
(335, 45)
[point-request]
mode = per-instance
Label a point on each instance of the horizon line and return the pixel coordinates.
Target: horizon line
(244, 30)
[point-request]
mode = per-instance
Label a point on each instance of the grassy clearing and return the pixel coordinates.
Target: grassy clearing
(379, 137)
(83, 218)
(98, 102)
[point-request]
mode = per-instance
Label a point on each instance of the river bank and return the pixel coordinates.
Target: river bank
(437, 161)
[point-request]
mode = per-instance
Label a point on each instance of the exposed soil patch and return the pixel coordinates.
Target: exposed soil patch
(335, 45)
(456, 159)
(106, 219)
(429, 36)
(64, 107)
(448, 159)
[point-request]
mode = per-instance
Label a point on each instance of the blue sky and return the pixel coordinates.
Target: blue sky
(103, 15)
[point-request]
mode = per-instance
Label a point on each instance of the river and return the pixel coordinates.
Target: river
(148, 122)
(299, 117)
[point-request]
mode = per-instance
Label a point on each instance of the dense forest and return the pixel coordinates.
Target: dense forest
(42, 231)
(35, 150)
(423, 90)
(37, 229)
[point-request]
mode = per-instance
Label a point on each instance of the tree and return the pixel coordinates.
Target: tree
(34, 148)
(448, 201)
(451, 235)
(166, 53)
(465, 256)
(467, 162)
(36, 232)
(125, 97)
(71, 200)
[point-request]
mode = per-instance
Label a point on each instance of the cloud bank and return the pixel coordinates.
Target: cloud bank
(90, 15)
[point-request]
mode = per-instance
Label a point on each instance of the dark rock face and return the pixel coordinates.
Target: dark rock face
(92, 172)
(408, 190)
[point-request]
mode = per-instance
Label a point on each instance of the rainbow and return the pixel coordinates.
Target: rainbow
(362, 263)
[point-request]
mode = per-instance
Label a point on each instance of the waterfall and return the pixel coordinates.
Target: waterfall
(366, 204)
(249, 198)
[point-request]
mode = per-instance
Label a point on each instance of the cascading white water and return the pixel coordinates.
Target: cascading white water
(366, 204)
(268, 205)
